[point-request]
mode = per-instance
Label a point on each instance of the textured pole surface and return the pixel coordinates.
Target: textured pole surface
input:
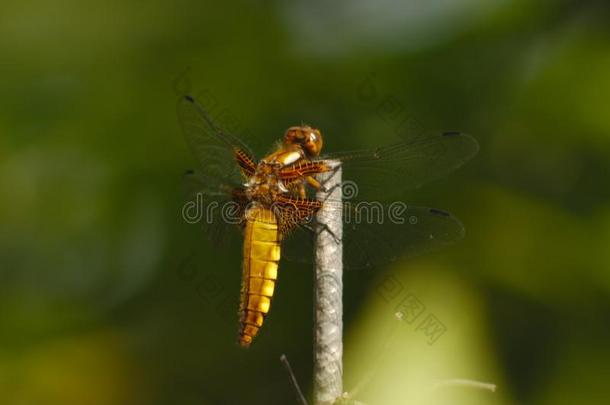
(328, 291)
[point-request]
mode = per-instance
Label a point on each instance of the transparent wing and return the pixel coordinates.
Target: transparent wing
(214, 207)
(385, 171)
(214, 148)
(401, 231)
(375, 234)
(214, 191)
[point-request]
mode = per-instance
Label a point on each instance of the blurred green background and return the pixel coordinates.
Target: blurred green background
(107, 297)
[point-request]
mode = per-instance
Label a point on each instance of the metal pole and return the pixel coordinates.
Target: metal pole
(328, 291)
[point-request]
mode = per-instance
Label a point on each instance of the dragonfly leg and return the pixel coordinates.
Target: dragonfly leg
(322, 186)
(302, 191)
(315, 183)
(322, 228)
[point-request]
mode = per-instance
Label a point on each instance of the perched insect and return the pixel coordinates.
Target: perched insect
(273, 204)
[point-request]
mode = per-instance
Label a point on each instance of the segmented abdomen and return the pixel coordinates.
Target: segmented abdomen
(261, 257)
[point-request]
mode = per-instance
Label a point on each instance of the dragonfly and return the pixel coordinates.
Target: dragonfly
(272, 201)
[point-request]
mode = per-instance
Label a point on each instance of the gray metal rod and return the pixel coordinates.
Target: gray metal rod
(328, 291)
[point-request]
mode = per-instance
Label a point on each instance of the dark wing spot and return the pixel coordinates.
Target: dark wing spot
(189, 172)
(189, 98)
(440, 213)
(452, 133)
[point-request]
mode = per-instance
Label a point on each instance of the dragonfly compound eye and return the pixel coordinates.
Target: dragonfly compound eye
(293, 135)
(309, 138)
(313, 143)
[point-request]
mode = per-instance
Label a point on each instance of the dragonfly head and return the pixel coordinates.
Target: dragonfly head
(305, 136)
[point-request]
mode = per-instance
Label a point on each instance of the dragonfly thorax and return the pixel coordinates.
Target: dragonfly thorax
(265, 185)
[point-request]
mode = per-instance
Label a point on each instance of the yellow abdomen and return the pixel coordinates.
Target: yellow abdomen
(261, 258)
